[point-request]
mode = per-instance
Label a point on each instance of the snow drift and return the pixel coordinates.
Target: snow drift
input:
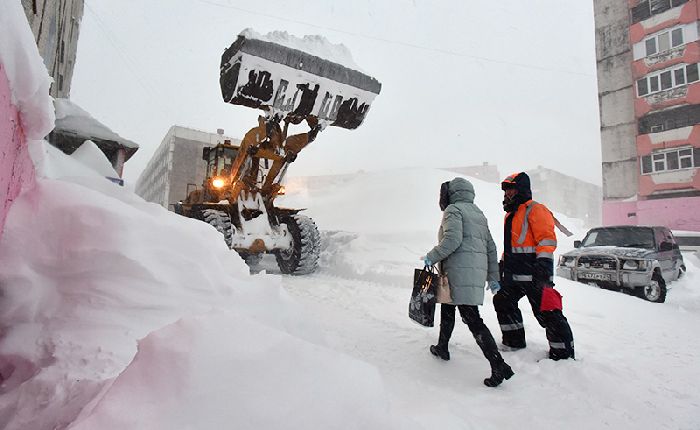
(88, 269)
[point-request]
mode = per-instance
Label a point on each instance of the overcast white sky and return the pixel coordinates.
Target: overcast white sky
(510, 82)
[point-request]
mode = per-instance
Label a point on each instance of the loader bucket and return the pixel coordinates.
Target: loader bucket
(266, 75)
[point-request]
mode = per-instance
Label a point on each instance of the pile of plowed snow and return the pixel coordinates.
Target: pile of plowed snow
(110, 301)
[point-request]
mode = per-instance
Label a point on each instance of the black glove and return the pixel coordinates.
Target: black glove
(544, 270)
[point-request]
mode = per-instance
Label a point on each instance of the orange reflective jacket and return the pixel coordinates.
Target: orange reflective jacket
(529, 235)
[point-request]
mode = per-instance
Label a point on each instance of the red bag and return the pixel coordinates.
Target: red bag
(551, 300)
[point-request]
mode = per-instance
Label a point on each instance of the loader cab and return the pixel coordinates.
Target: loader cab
(219, 159)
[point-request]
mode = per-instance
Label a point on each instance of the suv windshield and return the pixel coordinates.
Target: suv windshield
(624, 237)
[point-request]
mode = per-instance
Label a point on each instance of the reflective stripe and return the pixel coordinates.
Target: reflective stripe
(522, 277)
(557, 345)
(523, 232)
(545, 255)
(523, 250)
(547, 242)
(511, 327)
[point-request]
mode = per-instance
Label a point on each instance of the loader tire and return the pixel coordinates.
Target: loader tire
(221, 221)
(302, 257)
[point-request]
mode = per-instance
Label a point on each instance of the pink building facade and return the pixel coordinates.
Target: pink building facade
(648, 55)
(16, 168)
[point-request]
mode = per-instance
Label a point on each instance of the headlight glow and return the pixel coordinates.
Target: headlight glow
(218, 183)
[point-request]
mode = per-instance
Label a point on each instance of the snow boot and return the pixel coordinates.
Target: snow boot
(499, 372)
(439, 352)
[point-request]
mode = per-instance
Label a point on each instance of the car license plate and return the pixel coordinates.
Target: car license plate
(596, 276)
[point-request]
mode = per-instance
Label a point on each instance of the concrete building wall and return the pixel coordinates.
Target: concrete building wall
(616, 99)
(16, 168)
(56, 26)
(177, 163)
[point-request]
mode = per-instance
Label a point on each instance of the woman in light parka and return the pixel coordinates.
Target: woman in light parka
(467, 255)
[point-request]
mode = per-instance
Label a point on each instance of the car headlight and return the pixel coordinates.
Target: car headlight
(566, 261)
(636, 265)
(630, 265)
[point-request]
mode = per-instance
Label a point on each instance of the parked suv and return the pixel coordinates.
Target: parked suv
(641, 260)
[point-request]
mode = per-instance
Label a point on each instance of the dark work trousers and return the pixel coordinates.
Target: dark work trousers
(559, 335)
(470, 316)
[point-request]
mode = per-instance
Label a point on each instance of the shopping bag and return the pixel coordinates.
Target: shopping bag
(444, 294)
(551, 300)
(421, 308)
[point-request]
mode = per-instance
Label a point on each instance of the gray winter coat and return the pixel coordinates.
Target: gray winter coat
(466, 248)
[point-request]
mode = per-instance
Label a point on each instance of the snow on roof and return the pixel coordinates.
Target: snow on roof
(26, 72)
(71, 117)
(311, 44)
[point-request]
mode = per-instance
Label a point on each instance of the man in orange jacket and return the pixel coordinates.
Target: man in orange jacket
(527, 269)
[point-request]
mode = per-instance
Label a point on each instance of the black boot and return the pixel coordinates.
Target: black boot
(440, 352)
(499, 372)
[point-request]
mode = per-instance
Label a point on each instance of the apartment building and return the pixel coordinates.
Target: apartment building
(649, 95)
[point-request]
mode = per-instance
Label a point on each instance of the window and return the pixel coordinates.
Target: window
(675, 159)
(666, 80)
(661, 81)
(677, 37)
(686, 158)
(663, 42)
(679, 76)
(659, 162)
(654, 84)
(672, 160)
(642, 87)
(651, 46)
(647, 8)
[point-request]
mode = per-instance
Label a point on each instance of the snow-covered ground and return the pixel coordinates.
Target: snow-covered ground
(117, 314)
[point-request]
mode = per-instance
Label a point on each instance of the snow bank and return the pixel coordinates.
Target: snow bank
(89, 268)
(311, 44)
(258, 378)
(26, 72)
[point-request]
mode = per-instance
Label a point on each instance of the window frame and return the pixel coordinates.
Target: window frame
(662, 157)
(654, 80)
(655, 39)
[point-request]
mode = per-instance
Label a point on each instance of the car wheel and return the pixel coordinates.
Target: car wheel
(656, 290)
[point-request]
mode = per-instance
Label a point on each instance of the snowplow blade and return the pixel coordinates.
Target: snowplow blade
(270, 76)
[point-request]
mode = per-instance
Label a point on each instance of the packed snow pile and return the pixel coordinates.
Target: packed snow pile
(312, 44)
(118, 314)
(26, 72)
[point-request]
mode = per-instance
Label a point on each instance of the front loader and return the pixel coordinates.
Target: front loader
(291, 87)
